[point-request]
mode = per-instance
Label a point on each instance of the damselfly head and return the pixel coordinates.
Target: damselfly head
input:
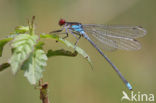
(62, 22)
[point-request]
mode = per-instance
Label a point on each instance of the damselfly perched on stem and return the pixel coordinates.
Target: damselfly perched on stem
(105, 37)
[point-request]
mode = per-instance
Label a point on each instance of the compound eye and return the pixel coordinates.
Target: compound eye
(62, 22)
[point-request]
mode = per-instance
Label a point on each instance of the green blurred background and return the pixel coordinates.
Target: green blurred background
(71, 79)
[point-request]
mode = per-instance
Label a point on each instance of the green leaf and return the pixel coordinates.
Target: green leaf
(22, 47)
(21, 29)
(2, 43)
(34, 66)
(61, 52)
(67, 43)
(39, 45)
(4, 66)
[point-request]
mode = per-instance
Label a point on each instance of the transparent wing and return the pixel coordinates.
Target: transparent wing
(117, 30)
(115, 37)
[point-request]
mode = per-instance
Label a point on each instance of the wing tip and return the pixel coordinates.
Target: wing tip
(144, 31)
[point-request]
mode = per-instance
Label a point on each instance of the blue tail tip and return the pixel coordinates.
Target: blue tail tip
(129, 86)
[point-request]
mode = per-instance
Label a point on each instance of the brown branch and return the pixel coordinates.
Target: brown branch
(44, 92)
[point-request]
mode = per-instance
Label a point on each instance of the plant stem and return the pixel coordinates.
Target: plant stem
(4, 66)
(44, 92)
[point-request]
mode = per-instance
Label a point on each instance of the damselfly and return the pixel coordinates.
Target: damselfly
(105, 37)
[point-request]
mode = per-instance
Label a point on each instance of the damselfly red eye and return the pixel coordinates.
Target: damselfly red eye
(62, 22)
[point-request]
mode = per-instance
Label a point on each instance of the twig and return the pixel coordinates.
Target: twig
(44, 91)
